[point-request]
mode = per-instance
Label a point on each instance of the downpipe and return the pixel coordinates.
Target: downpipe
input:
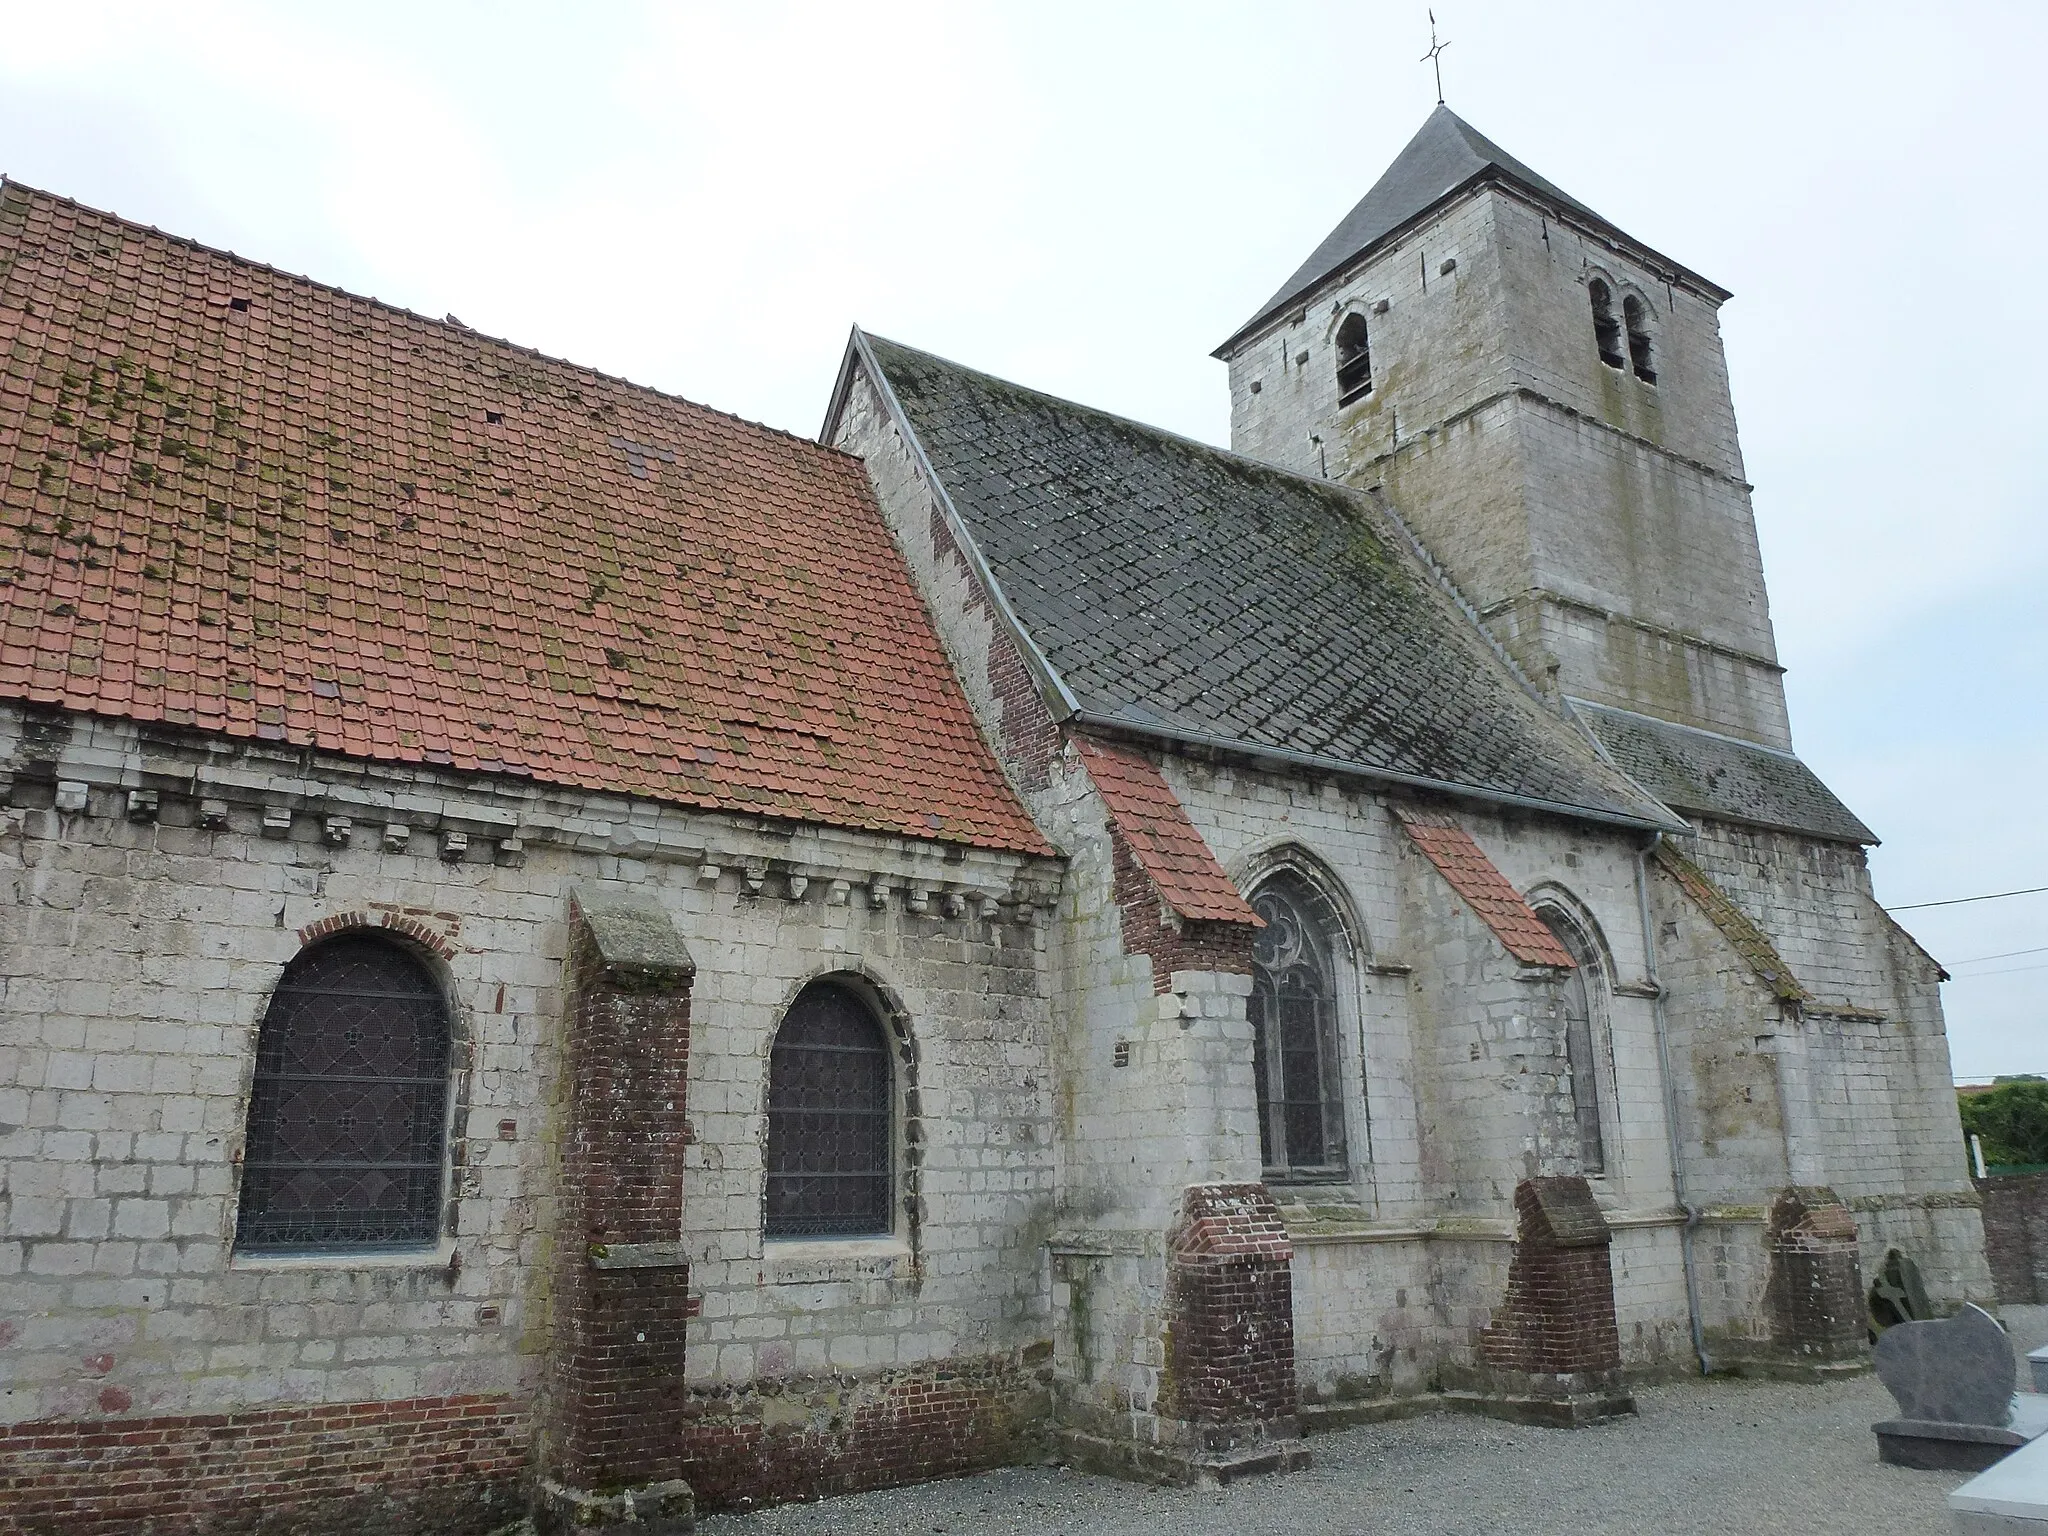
(1678, 1190)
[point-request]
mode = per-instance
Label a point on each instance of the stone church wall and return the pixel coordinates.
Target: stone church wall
(142, 937)
(1451, 1067)
(1152, 1045)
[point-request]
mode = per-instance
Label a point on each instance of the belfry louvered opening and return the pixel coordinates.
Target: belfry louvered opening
(1606, 328)
(1354, 360)
(348, 1110)
(830, 1126)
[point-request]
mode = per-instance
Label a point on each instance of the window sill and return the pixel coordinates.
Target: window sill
(808, 1260)
(422, 1258)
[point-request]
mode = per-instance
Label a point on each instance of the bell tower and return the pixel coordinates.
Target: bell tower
(1545, 400)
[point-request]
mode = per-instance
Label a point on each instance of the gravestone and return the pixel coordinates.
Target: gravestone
(1953, 1380)
(2009, 1500)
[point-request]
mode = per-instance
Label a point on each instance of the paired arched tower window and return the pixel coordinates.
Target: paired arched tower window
(349, 1107)
(1581, 984)
(1633, 324)
(830, 1125)
(1293, 1009)
(1354, 359)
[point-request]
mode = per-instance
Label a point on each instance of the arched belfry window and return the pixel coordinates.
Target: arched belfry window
(1606, 329)
(349, 1107)
(1293, 1010)
(830, 1139)
(1581, 984)
(1635, 315)
(1354, 359)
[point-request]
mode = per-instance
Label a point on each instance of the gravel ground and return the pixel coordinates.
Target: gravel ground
(1703, 1456)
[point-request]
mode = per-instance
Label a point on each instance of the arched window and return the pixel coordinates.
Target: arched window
(829, 1133)
(1606, 329)
(1580, 983)
(1354, 359)
(1294, 1033)
(348, 1112)
(1636, 315)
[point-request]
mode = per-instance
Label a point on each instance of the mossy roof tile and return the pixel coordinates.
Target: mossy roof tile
(208, 515)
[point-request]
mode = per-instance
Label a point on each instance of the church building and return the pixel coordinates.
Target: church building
(566, 954)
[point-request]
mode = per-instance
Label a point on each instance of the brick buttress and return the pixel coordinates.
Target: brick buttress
(612, 1447)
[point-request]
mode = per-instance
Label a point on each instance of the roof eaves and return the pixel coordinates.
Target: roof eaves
(1059, 698)
(1289, 758)
(1590, 222)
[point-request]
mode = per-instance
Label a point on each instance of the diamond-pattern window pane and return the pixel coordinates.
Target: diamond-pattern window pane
(347, 1112)
(828, 1119)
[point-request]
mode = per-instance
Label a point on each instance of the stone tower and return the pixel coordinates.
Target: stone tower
(1545, 399)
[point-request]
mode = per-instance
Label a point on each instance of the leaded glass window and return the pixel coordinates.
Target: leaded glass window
(829, 1132)
(349, 1105)
(1294, 1034)
(1580, 1056)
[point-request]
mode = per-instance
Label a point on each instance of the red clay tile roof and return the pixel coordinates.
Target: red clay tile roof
(1146, 811)
(1486, 890)
(238, 501)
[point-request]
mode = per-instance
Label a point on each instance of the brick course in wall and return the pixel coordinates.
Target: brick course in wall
(2016, 1235)
(428, 1466)
(812, 1437)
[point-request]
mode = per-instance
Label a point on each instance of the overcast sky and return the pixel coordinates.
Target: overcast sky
(1089, 197)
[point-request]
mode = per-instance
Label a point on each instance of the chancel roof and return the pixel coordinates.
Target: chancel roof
(1180, 591)
(238, 501)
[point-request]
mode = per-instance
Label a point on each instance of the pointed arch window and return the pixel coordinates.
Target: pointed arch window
(830, 1130)
(1580, 984)
(1354, 360)
(348, 1110)
(1635, 316)
(1606, 329)
(1294, 1033)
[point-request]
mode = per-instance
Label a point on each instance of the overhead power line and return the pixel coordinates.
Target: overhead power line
(2010, 954)
(2010, 971)
(1957, 901)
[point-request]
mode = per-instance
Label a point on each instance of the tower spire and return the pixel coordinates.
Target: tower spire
(1435, 57)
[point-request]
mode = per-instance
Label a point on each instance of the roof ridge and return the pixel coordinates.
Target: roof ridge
(8, 183)
(1263, 466)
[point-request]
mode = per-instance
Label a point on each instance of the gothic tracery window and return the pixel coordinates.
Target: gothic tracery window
(1293, 1017)
(348, 1109)
(829, 1124)
(1354, 359)
(1606, 328)
(1580, 1052)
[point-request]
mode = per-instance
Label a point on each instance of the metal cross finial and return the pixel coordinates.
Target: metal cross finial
(1435, 57)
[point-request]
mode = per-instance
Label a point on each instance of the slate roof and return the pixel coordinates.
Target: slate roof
(1468, 871)
(1144, 808)
(1177, 590)
(1446, 153)
(1720, 777)
(238, 501)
